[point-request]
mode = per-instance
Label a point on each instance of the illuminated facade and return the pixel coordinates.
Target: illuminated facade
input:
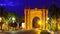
(40, 13)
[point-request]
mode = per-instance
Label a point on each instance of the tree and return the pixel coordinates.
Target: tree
(10, 15)
(2, 15)
(45, 32)
(54, 13)
(13, 24)
(21, 20)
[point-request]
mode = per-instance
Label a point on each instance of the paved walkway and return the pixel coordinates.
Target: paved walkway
(16, 32)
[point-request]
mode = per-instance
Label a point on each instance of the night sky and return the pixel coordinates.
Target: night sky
(19, 5)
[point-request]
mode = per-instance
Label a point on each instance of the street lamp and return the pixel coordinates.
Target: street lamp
(13, 19)
(22, 25)
(47, 18)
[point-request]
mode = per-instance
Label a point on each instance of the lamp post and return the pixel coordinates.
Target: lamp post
(13, 19)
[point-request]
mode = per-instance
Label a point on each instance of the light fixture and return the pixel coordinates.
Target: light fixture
(47, 18)
(13, 18)
(22, 25)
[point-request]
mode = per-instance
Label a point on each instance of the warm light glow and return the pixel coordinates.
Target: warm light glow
(13, 18)
(31, 13)
(38, 31)
(39, 22)
(22, 25)
(13, 21)
(0, 18)
(47, 18)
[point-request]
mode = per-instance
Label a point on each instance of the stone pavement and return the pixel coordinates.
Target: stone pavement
(22, 32)
(57, 32)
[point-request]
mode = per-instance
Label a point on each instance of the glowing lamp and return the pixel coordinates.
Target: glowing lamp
(22, 25)
(13, 18)
(47, 18)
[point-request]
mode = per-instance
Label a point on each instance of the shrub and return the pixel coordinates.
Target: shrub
(44, 32)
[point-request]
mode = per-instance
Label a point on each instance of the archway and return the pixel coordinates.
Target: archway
(30, 14)
(35, 22)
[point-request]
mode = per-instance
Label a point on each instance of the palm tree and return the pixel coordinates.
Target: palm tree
(9, 15)
(54, 13)
(2, 15)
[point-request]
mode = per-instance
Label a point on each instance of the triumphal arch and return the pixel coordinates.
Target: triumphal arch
(40, 14)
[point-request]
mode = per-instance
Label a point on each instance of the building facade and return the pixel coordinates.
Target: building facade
(30, 14)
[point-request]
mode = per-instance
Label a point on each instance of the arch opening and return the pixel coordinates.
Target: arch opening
(35, 22)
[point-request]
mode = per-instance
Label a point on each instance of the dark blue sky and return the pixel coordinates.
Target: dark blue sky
(19, 5)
